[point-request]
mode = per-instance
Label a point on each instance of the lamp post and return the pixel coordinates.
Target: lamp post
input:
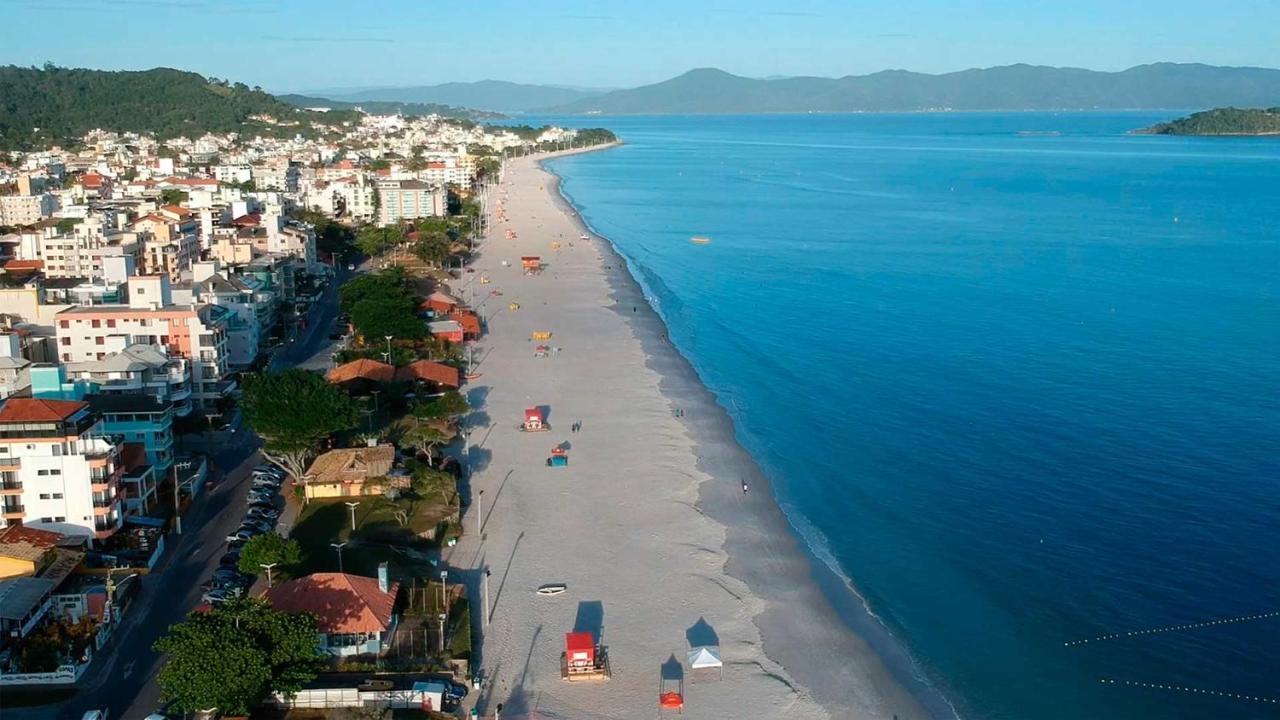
(177, 509)
(374, 393)
(444, 589)
(486, 597)
(352, 507)
(268, 567)
(389, 337)
(338, 547)
(442, 617)
(479, 512)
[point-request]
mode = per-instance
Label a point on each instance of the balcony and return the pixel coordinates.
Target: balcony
(13, 511)
(10, 462)
(10, 486)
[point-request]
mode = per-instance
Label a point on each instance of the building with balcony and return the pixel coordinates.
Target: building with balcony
(140, 369)
(58, 470)
(195, 333)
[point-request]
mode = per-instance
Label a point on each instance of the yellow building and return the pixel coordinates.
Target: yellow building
(349, 472)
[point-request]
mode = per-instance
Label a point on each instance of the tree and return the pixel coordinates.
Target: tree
(387, 282)
(427, 482)
(425, 439)
(268, 549)
(173, 196)
(66, 225)
(377, 317)
(293, 411)
(446, 407)
(231, 657)
(432, 248)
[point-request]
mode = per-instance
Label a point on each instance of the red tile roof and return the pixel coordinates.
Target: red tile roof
(91, 180)
(340, 602)
(249, 220)
(29, 536)
(363, 369)
(433, 372)
(17, 410)
(21, 265)
(469, 321)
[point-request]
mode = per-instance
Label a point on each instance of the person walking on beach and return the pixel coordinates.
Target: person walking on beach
(744, 487)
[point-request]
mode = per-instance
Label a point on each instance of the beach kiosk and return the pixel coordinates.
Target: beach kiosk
(706, 657)
(532, 264)
(533, 421)
(582, 659)
(559, 457)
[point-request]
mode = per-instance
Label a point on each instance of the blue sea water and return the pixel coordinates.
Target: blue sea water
(1021, 390)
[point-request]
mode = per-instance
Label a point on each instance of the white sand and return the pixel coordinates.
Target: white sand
(624, 525)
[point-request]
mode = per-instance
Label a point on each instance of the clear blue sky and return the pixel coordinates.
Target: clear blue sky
(310, 44)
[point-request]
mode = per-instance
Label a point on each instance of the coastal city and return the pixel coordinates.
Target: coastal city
(234, 391)
(639, 361)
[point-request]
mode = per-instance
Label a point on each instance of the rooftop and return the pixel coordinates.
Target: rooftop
(363, 369)
(27, 543)
(18, 410)
(351, 465)
(340, 602)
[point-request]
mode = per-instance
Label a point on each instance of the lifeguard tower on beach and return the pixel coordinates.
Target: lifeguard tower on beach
(582, 658)
(534, 421)
(532, 264)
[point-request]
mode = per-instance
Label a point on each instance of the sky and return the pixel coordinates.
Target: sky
(298, 45)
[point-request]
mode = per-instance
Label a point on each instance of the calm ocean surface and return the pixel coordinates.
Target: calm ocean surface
(1021, 390)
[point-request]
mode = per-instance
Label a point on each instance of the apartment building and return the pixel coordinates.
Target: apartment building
(20, 210)
(57, 470)
(196, 333)
(139, 370)
(279, 174)
(169, 241)
(409, 200)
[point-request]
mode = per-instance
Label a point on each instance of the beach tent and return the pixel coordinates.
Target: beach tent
(706, 657)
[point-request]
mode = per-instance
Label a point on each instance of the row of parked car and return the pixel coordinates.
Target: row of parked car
(260, 517)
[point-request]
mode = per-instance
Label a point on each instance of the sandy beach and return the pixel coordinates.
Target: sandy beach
(648, 525)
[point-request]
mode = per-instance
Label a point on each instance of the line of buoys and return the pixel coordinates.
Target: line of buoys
(1172, 628)
(1191, 690)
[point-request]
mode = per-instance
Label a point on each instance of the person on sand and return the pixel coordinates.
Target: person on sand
(744, 487)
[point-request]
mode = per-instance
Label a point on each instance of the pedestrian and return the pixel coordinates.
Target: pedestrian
(744, 487)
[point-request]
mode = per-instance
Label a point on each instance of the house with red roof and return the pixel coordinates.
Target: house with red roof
(436, 376)
(440, 303)
(361, 377)
(355, 615)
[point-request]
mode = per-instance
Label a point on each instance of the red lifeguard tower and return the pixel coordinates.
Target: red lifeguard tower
(533, 421)
(582, 658)
(532, 264)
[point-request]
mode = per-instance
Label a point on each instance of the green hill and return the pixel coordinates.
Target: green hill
(1013, 87)
(1223, 121)
(39, 106)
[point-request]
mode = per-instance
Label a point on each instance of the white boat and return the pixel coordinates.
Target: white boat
(552, 589)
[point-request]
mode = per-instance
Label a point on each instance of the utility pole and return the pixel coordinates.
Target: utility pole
(352, 507)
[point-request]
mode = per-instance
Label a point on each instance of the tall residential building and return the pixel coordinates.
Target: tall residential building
(57, 471)
(20, 210)
(196, 333)
(409, 200)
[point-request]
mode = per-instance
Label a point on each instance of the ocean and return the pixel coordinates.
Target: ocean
(1016, 376)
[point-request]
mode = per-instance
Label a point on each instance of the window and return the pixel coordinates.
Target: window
(42, 473)
(66, 341)
(60, 518)
(111, 323)
(97, 323)
(66, 357)
(64, 324)
(57, 496)
(99, 340)
(55, 472)
(44, 496)
(46, 519)
(140, 290)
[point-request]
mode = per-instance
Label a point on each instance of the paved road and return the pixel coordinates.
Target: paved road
(122, 677)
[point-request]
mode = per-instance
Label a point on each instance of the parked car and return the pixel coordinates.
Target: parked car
(256, 494)
(240, 536)
(257, 527)
(270, 470)
(217, 595)
(258, 512)
(265, 483)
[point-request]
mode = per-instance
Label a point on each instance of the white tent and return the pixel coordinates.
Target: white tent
(706, 656)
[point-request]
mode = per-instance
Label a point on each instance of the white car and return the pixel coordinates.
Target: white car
(240, 536)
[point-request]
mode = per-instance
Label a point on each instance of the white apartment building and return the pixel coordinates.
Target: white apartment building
(139, 370)
(409, 200)
(26, 209)
(232, 173)
(196, 333)
(57, 471)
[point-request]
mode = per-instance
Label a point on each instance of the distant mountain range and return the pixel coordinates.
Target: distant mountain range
(384, 107)
(492, 95)
(1012, 87)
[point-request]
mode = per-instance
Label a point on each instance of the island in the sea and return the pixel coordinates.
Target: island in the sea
(1222, 121)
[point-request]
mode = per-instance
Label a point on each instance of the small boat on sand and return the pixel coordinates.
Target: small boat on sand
(552, 589)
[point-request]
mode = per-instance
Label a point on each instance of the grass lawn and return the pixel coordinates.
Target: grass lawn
(378, 536)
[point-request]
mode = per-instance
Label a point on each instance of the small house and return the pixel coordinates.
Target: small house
(436, 376)
(449, 330)
(350, 472)
(354, 614)
(361, 377)
(440, 304)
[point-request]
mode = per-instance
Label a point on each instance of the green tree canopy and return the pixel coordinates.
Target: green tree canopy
(446, 407)
(425, 438)
(293, 411)
(433, 248)
(173, 196)
(268, 549)
(231, 657)
(391, 281)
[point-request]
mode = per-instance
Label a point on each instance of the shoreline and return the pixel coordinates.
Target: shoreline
(804, 603)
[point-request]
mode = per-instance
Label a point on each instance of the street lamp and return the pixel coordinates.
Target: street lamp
(338, 547)
(442, 617)
(389, 337)
(444, 588)
(267, 567)
(375, 399)
(479, 508)
(177, 510)
(352, 506)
